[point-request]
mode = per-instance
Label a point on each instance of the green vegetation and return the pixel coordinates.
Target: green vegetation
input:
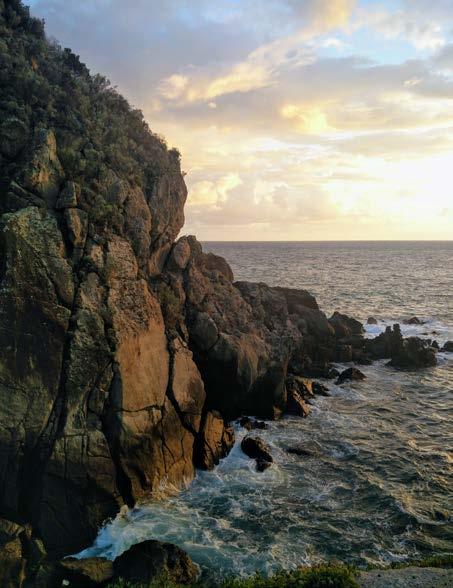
(170, 304)
(45, 86)
(319, 576)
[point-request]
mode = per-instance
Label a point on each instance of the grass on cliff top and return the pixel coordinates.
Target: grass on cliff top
(320, 576)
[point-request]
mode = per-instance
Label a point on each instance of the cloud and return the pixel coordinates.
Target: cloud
(296, 119)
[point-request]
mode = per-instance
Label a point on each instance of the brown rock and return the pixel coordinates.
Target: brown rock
(350, 374)
(214, 442)
(148, 560)
(85, 573)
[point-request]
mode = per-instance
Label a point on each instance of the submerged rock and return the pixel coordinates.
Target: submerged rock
(144, 562)
(371, 321)
(352, 374)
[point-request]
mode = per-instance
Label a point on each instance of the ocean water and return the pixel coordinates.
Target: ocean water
(377, 486)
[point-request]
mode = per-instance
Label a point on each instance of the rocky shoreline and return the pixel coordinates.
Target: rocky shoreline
(124, 353)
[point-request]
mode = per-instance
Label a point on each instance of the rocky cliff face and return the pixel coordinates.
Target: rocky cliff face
(122, 353)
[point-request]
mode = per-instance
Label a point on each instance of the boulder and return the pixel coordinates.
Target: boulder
(345, 326)
(371, 321)
(351, 374)
(144, 562)
(448, 347)
(256, 448)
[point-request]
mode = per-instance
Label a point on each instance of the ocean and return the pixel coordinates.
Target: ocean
(377, 485)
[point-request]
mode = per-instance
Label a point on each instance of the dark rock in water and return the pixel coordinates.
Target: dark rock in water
(251, 424)
(262, 464)
(256, 448)
(320, 389)
(371, 321)
(361, 357)
(345, 326)
(386, 344)
(85, 573)
(144, 562)
(436, 345)
(448, 346)
(214, 441)
(350, 374)
(301, 451)
(333, 373)
(414, 353)
(413, 321)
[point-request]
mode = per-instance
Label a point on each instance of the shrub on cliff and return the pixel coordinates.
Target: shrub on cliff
(45, 86)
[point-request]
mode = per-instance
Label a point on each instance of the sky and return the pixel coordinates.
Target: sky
(296, 119)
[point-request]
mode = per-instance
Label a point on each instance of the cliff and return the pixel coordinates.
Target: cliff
(123, 354)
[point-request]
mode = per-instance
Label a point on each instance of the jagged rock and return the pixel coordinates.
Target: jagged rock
(350, 374)
(345, 326)
(204, 331)
(251, 424)
(296, 405)
(262, 465)
(69, 196)
(145, 561)
(448, 346)
(386, 344)
(43, 173)
(256, 448)
(84, 573)
(214, 441)
(371, 321)
(414, 353)
(22, 557)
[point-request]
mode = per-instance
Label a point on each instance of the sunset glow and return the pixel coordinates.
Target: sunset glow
(303, 120)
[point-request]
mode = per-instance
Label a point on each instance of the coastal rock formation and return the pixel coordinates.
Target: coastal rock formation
(123, 354)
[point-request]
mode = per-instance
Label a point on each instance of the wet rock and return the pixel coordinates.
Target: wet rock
(262, 465)
(436, 345)
(351, 374)
(448, 347)
(85, 573)
(214, 441)
(414, 321)
(296, 405)
(251, 424)
(148, 560)
(300, 451)
(333, 373)
(371, 321)
(256, 448)
(320, 389)
(414, 353)
(385, 344)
